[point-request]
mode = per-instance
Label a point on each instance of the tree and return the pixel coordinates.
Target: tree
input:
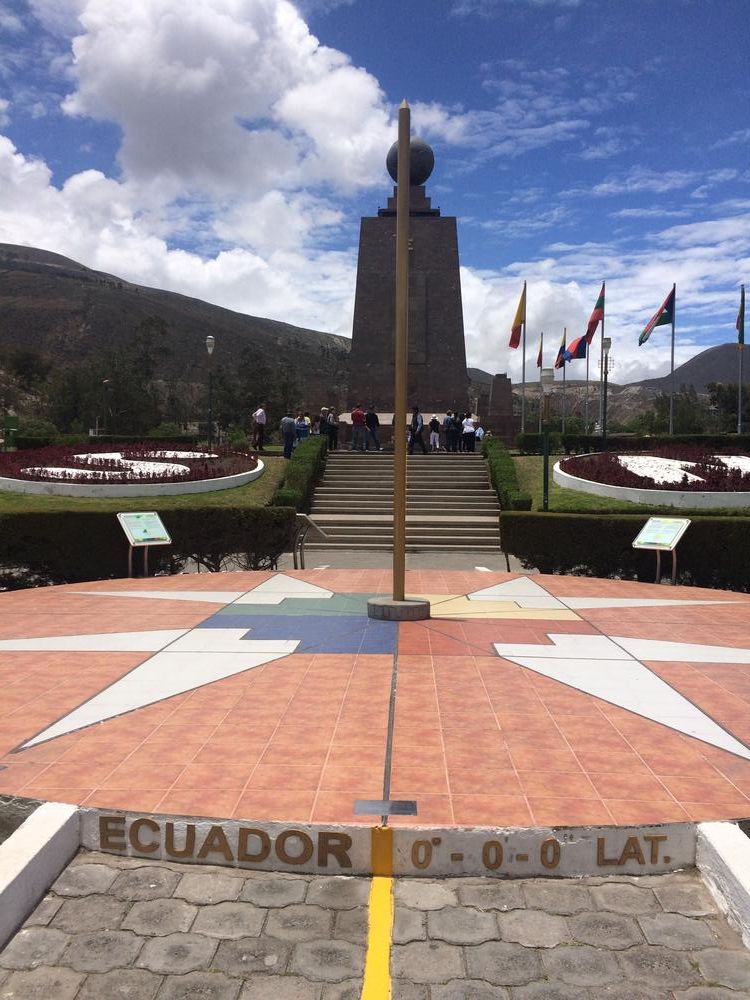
(690, 414)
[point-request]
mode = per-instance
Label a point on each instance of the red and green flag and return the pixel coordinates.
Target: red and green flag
(576, 349)
(597, 316)
(515, 333)
(539, 352)
(560, 359)
(663, 316)
(741, 317)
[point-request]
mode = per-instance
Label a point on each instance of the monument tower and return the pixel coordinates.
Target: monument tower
(437, 354)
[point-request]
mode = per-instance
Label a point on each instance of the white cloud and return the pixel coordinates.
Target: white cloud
(4, 116)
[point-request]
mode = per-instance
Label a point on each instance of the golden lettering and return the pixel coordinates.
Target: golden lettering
(188, 851)
(600, 859)
(292, 859)
(134, 835)
(264, 850)
(112, 833)
(632, 852)
(337, 844)
(655, 841)
(216, 842)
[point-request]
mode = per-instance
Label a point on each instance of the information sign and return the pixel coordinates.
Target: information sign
(661, 533)
(144, 529)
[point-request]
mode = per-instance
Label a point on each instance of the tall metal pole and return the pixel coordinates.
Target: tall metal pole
(541, 359)
(565, 339)
(605, 372)
(401, 353)
(586, 403)
(671, 381)
(523, 365)
(210, 405)
(740, 346)
(601, 368)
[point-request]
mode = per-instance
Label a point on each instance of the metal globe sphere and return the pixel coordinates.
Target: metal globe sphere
(421, 161)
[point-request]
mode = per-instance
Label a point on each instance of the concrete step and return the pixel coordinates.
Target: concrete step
(412, 510)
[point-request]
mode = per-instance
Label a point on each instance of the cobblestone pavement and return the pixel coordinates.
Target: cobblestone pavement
(127, 929)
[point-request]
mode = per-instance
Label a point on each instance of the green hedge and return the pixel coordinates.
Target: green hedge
(582, 443)
(503, 476)
(72, 546)
(533, 444)
(27, 441)
(302, 473)
(714, 552)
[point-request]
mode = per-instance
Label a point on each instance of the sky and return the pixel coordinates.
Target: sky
(226, 149)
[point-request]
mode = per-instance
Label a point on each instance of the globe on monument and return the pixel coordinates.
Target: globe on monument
(421, 161)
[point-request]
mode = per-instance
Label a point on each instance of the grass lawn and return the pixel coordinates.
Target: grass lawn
(529, 469)
(255, 494)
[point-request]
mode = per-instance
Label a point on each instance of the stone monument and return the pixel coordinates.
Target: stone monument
(437, 354)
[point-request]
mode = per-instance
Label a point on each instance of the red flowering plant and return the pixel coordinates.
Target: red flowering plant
(702, 471)
(144, 462)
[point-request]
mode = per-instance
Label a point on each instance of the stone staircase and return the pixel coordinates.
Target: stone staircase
(450, 502)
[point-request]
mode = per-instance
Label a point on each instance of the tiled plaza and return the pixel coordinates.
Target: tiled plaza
(523, 700)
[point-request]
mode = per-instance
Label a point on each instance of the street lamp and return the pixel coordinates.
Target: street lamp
(105, 402)
(547, 378)
(608, 366)
(210, 342)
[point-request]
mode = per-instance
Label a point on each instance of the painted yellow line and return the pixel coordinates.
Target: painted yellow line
(376, 984)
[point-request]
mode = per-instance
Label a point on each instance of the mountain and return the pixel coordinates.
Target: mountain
(67, 313)
(715, 364)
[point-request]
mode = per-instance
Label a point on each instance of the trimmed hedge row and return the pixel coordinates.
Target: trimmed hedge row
(574, 444)
(533, 443)
(714, 552)
(24, 442)
(302, 473)
(73, 546)
(503, 476)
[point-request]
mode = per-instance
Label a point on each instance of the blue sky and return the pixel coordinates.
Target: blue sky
(227, 148)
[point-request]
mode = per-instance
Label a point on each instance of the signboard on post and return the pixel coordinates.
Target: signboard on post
(142, 529)
(662, 535)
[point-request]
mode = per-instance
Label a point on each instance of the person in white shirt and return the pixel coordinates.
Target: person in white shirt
(479, 433)
(259, 428)
(469, 433)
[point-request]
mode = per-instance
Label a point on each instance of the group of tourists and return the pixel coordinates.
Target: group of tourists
(296, 429)
(460, 432)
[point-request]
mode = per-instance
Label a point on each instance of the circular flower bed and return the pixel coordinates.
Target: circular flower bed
(134, 470)
(677, 476)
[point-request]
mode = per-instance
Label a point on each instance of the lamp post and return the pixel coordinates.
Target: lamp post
(607, 364)
(210, 342)
(105, 403)
(547, 378)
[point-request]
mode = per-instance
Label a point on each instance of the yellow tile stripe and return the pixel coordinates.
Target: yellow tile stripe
(376, 984)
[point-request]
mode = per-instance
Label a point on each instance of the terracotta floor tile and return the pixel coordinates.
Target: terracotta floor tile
(483, 781)
(338, 807)
(648, 811)
(620, 785)
(408, 776)
(285, 777)
(561, 811)
(194, 802)
(702, 790)
(212, 776)
(435, 809)
(491, 810)
(262, 803)
(527, 758)
(362, 780)
(134, 799)
(558, 784)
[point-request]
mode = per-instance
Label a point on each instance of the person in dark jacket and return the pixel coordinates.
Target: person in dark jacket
(416, 429)
(372, 423)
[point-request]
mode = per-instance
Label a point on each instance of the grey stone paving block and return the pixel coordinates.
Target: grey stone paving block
(605, 930)
(545, 990)
(83, 879)
(274, 891)
(533, 928)
(230, 920)
(419, 894)
(580, 965)
(654, 966)
(331, 961)
(426, 962)
(675, 931)
(621, 897)
(631, 991)
(262, 987)
(351, 925)
(149, 882)
(301, 922)
(556, 896)
(409, 925)
(158, 917)
(90, 913)
(404, 990)
(44, 912)
(204, 986)
(708, 993)
(122, 984)
(339, 892)
(491, 895)
(503, 964)
(177, 953)
(348, 990)
(467, 989)
(690, 900)
(725, 968)
(199, 888)
(34, 946)
(239, 958)
(103, 951)
(42, 984)
(462, 925)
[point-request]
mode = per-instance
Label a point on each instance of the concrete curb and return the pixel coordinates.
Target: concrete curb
(723, 858)
(32, 858)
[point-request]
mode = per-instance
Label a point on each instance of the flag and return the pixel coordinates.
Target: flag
(577, 349)
(515, 333)
(663, 315)
(596, 316)
(560, 359)
(741, 318)
(539, 352)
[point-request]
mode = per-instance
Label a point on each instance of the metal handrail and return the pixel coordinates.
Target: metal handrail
(305, 525)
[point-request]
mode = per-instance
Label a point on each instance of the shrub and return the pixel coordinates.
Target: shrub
(302, 473)
(533, 444)
(577, 443)
(503, 476)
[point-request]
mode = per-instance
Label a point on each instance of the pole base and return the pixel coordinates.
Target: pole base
(388, 610)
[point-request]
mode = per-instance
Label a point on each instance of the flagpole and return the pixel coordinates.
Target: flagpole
(541, 358)
(523, 366)
(601, 371)
(671, 381)
(739, 394)
(586, 404)
(740, 346)
(565, 338)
